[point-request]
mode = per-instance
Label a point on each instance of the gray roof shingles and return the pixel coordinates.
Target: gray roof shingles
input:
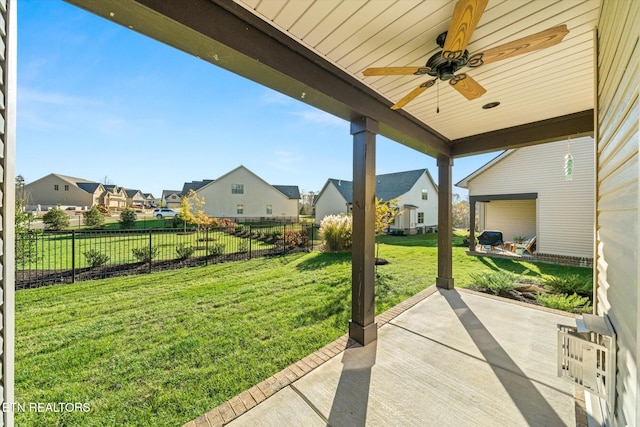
(388, 186)
(291, 191)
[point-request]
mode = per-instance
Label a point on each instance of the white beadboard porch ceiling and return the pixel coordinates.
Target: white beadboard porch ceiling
(357, 34)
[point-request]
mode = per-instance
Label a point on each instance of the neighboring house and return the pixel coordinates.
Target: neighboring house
(415, 190)
(149, 200)
(524, 192)
(240, 194)
(114, 197)
(194, 185)
(171, 198)
(66, 191)
(134, 197)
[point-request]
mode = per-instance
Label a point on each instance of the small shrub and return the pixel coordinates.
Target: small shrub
(216, 249)
(127, 218)
(573, 303)
(243, 246)
(336, 232)
(569, 285)
(93, 218)
(228, 224)
(496, 282)
(275, 234)
(296, 238)
(55, 219)
(95, 258)
(144, 254)
(183, 251)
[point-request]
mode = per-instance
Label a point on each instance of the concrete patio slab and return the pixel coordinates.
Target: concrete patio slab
(283, 408)
(454, 359)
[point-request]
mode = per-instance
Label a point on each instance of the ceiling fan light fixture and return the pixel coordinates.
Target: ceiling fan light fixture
(490, 105)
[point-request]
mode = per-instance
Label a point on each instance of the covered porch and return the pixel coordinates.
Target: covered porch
(443, 357)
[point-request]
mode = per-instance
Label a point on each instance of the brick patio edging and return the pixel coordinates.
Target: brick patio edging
(238, 405)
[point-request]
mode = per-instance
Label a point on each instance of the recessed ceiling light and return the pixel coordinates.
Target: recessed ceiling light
(490, 105)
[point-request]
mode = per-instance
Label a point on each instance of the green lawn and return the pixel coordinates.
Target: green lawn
(164, 348)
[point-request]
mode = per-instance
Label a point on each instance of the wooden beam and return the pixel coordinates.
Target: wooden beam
(362, 326)
(550, 130)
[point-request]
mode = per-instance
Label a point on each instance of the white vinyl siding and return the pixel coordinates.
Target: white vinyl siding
(330, 202)
(512, 217)
(617, 272)
(564, 208)
(256, 194)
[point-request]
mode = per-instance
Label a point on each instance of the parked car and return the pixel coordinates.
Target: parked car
(164, 213)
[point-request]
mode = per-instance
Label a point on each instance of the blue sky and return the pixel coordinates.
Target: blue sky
(98, 100)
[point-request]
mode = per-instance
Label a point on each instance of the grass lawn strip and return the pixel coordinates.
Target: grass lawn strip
(164, 348)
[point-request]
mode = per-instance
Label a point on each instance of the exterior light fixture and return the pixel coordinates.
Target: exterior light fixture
(490, 105)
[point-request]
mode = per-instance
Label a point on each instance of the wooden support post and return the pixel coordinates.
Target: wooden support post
(362, 327)
(445, 224)
(472, 224)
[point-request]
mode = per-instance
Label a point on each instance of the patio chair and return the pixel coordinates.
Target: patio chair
(527, 244)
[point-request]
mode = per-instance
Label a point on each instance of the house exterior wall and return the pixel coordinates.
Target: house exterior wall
(409, 218)
(564, 208)
(8, 64)
(257, 194)
(330, 202)
(136, 199)
(173, 201)
(617, 222)
(512, 217)
(42, 192)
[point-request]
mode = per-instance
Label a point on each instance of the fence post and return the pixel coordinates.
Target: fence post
(150, 248)
(73, 256)
(206, 246)
(312, 228)
(284, 238)
(250, 239)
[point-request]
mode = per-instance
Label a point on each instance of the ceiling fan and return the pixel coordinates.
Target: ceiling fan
(454, 55)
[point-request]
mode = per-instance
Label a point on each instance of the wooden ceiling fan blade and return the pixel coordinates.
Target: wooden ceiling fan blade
(413, 95)
(541, 40)
(466, 16)
(395, 71)
(467, 86)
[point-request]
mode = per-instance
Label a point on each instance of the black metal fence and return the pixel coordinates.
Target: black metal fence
(44, 258)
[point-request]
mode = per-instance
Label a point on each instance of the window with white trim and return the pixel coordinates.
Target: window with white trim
(237, 188)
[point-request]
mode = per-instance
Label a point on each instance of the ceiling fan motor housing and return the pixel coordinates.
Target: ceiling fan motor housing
(445, 68)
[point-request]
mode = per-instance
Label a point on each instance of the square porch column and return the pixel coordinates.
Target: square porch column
(362, 327)
(445, 224)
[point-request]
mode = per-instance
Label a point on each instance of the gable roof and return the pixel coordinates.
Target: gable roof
(89, 187)
(166, 193)
(291, 191)
(388, 186)
(392, 185)
(131, 192)
(81, 183)
(195, 185)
